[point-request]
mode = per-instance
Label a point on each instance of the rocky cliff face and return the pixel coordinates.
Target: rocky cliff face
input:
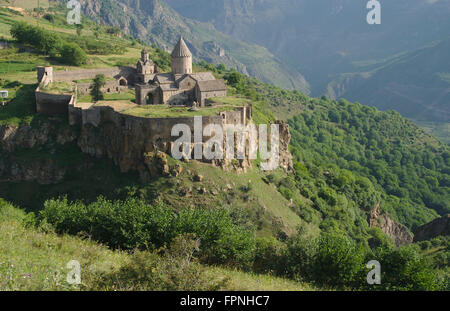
(437, 227)
(14, 140)
(15, 137)
(132, 144)
(28, 152)
(285, 139)
(399, 234)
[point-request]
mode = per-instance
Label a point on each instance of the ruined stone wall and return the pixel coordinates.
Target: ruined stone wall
(203, 96)
(143, 90)
(109, 88)
(52, 104)
(234, 117)
(178, 97)
(128, 72)
(44, 75)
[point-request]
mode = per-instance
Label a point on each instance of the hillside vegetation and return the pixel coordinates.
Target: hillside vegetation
(36, 259)
(311, 226)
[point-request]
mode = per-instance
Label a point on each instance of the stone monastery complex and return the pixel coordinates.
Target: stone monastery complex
(181, 87)
(176, 88)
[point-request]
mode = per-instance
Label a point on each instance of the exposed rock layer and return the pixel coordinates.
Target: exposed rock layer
(437, 227)
(399, 234)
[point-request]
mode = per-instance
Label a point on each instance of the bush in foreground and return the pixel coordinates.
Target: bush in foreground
(132, 224)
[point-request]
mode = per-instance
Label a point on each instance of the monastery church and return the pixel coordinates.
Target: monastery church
(181, 86)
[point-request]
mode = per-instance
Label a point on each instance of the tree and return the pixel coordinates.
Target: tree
(405, 269)
(37, 37)
(96, 87)
(234, 79)
(79, 29)
(72, 54)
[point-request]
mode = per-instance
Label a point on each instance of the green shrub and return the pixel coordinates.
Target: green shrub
(221, 240)
(125, 224)
(270, 256)
(338, 262)
(405, 269)
(133, 224)
(43, 40)
(72, 54)
(329, 260)
(379, 238)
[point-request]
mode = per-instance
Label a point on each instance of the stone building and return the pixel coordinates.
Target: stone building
(145, 68)
(181, 86)
(181, 58)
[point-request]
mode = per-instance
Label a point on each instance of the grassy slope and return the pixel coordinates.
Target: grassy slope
(34, 260)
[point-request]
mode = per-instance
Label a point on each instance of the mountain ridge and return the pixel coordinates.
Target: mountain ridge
(154, 21)
(328, 41)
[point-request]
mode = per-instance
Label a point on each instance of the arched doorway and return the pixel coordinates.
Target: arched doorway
(123, 82)
(149, 99)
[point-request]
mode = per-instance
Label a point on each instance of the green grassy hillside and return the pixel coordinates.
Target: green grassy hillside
(348, 159)
(36, 259)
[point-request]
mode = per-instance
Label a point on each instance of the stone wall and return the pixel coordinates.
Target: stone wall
(235, 117)
(178, 97)
(52, 104)
(127, 72)
(143, 90)
(203, 96)
(126, 139)
(109, 88)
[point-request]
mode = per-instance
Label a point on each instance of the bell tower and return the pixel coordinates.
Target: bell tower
(181, 58)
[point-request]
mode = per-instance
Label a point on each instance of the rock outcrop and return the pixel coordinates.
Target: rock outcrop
(399, 234)
(437, 227)
(285, 139)
(133, 144)
(14, 139)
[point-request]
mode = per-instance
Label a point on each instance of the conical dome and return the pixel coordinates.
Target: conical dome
(181, 49)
